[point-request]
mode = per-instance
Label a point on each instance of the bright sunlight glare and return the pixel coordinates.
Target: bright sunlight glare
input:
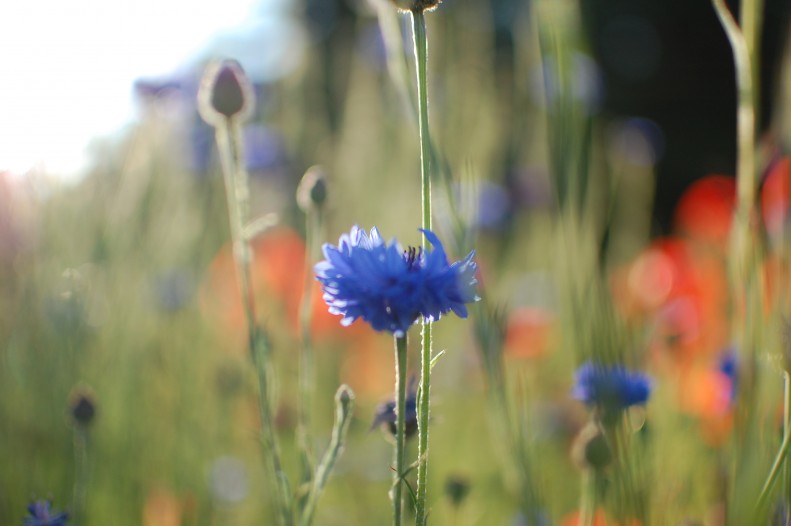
(67, 69)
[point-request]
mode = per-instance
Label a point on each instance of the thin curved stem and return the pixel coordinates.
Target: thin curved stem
(779, 459)
(344, 402)
(237, 193)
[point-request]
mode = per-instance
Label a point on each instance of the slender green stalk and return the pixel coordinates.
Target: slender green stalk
(344, 401)
(81, 472)
(780, 458)
(421, 54)
(306, 374)
(400, 374)
(786, 437)
(588, 497)
(237, 193)
(751, 22)
(741, 238)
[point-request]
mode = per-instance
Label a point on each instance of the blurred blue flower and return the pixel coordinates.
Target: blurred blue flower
(386, 415)
(173, 289)
(42, 515)
(611, 387)
(729, 366)
(390, 288)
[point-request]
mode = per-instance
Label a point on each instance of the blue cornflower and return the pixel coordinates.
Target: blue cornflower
(611, 387)
(386, 415)
(42, 515)
(390, 288)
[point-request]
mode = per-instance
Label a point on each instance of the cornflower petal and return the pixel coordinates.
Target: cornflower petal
(365, 277)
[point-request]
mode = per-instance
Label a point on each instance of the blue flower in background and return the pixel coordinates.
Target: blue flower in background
(390, 288)
(610, 386)
(386, 415)
(40, 514)
(729, 366)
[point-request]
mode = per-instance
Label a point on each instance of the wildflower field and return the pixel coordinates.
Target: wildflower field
(467, 263)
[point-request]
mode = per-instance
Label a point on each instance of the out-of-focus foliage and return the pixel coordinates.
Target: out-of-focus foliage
(123, 286)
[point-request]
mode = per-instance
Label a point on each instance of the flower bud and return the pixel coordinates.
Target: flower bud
(456, 488)
(416, 6)
(225, 92)
(312, 190)
(82, 407)
(591, 448)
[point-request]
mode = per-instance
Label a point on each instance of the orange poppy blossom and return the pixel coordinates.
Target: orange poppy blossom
(599, 519)
(162, 508)
(278, 279)
(529, 332)
(775, 201)
(705, 211)
(775, 198)
(681, 291)
(705, 391)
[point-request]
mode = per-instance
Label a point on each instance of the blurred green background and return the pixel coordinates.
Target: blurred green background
(120, 285)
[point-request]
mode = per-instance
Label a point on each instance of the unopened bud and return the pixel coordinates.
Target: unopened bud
(82, 407)
(344, 395)
(416, 6)
(456, 488)
(312, 190)
(225, 92)
(591, 448)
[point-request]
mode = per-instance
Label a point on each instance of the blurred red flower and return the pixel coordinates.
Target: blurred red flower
(775, 197)
(278, 279)
(705, 211)
(528, 333)
(600, 519)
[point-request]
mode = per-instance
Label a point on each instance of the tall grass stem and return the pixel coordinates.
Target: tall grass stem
(779, 459)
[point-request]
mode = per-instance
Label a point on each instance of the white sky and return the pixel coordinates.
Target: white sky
(67, 68)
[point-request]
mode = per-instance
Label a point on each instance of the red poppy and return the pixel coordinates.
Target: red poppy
(705, 211)
(775, 197)
(599, 519)
(529, 332)
(278, 279)
(682, 290)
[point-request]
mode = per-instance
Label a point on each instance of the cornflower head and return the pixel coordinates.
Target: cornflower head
(391, 288)
(611, 388)
(41, 514)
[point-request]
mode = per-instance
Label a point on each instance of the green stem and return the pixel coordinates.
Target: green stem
(780, 459)
(81, 471)
(786, 437)
(588, 497)
(344, 401)
(237, 193)
(421, 53)
(741, 239)
(421, 58)
(400, 374)
(306, 374)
